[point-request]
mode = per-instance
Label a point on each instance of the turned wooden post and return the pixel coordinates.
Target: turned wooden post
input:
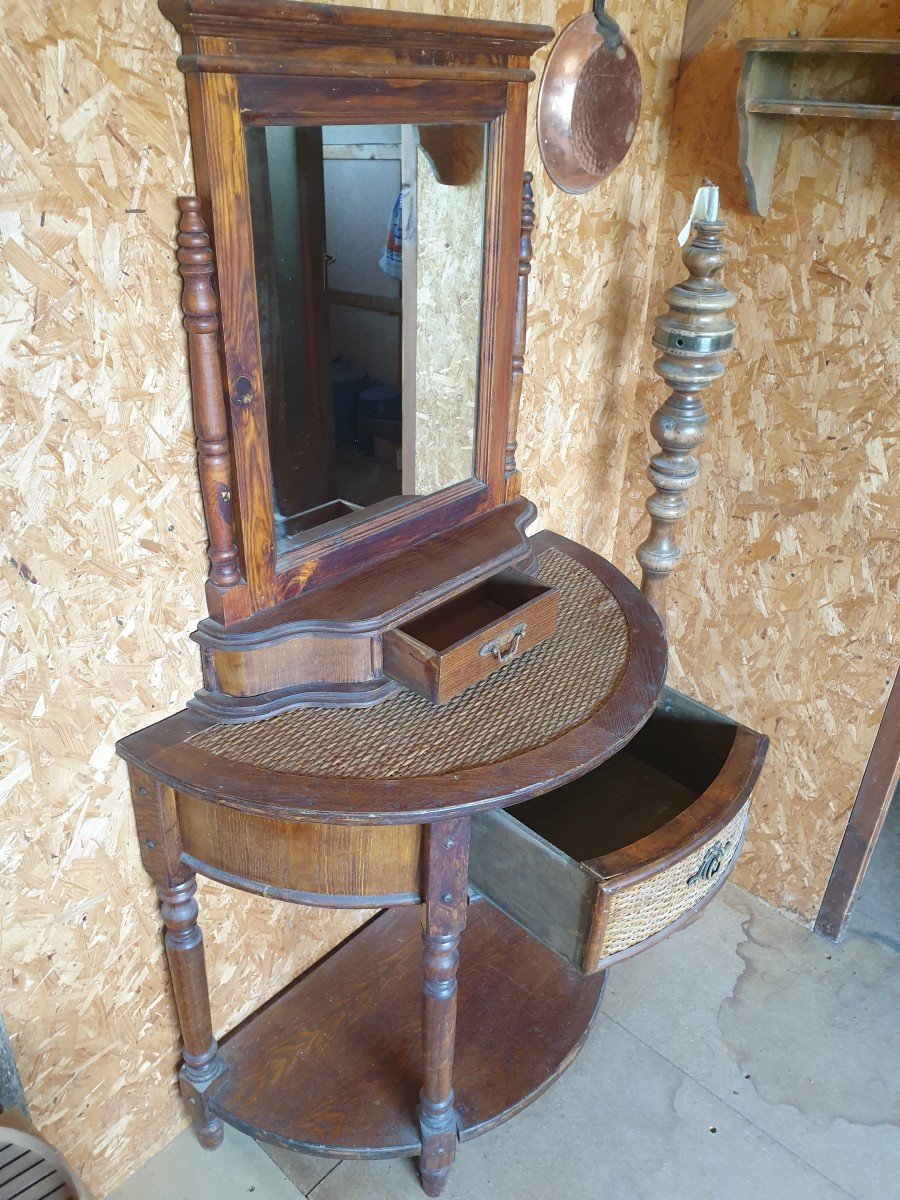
(692, 335)
(201, 320)
(446, 897)
(184, 950)
(156, 817)
(511, 475)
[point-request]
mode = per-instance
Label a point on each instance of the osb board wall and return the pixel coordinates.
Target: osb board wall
(589, 289)
(102, 579)
(449, 251)
(784, 609)
(102, 557)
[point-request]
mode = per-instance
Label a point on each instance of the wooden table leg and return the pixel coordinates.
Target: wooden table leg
(184, 949)
(156, 817)
(446, 897)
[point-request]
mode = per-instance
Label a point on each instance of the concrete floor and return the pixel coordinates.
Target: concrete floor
(744, 1058)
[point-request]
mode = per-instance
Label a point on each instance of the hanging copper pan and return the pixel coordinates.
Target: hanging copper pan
(589, 102)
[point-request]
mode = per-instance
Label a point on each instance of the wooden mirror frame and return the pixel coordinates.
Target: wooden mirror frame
(268, 62)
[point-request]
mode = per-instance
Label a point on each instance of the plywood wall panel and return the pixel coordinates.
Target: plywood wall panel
(589, 288)
(448, 321)
(784, 610)
(102, 574)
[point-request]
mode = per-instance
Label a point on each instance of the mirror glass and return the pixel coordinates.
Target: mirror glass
(368, 244)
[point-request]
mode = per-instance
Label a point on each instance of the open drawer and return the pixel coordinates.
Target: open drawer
(612, 862)
(465, 639)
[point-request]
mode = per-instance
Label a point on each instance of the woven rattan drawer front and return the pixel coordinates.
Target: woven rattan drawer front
(637, 912)
(607, 865)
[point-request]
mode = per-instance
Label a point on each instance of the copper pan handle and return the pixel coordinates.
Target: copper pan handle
(607, 28)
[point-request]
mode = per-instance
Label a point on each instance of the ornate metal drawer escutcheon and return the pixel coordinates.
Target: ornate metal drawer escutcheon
(713, 861)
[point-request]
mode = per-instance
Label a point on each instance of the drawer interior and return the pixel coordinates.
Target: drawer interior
(464, 615)
(597, 868)
(657, 776)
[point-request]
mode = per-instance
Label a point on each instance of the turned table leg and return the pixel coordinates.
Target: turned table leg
(156, 817)
(446, 897)
(184, 949)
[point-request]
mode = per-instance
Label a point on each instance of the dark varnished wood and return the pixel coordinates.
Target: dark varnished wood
(219, 707)
(440, 654)
(280, 23)
(705, 753)
(386, 66)
(355, 864)
(326, 646)
(184, 950)
(373, 534)
(162, 750)
(225, 167)
(877, 790)
(445, 562)
(254, 61)
(444, 918)
(512, 479)
(295, 895)
(159, 835)
(393, 1045)
(281, 100)
(226, 592)
(159, 832)
(347, 1037)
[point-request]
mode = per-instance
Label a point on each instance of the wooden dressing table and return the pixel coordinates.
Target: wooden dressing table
(384, 680)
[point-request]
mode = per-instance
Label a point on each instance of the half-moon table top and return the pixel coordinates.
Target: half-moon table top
(546, 718)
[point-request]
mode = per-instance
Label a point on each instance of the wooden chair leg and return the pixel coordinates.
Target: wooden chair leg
(444, 919)
(184, 949)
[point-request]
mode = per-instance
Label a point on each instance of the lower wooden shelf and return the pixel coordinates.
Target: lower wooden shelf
(332, 1066)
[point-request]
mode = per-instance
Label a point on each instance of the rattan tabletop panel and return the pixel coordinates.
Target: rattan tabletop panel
(552, 689)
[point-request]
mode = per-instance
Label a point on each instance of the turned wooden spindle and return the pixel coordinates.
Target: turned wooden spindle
(446, 898)
(692, 335)
(184, 950)
(511, 475)
(201, 320)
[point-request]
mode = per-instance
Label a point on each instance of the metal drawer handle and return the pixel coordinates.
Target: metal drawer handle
(505, 647)
(711, 865)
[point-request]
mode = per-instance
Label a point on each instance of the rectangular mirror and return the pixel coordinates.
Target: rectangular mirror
(368, 245)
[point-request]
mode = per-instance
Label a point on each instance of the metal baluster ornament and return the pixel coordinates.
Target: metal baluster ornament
(692, 336)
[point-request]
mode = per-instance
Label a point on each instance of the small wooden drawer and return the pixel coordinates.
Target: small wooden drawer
(612, 862)
(440, 653)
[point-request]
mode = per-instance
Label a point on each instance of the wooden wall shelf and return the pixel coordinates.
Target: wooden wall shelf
(776, 73)
(827, 108)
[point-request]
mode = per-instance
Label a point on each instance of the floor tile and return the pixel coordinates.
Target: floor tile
(745, 1023)
(797, 1034)
(622, 1124)
(303, 1170)
(238, 1170)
